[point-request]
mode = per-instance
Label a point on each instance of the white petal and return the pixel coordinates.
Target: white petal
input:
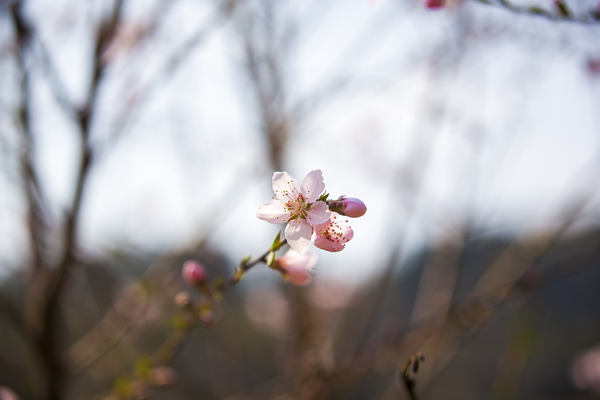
(297, 267)
(273, 212)
(285, 187)
(318, 214)
(313, 185)
(292, 260)
(298, 233)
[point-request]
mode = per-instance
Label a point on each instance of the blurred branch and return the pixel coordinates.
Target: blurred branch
(31, 186)
(493, 287)
(48, 283)
(169, 68)
(409, 369)
(263, 63)
(560, 13)
(196, 313)
(98, 341)
(35, 202)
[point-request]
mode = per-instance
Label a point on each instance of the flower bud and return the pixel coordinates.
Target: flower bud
(193, 272)
(435, 4)
(162, 376)
(593, 67)
(348, 206)
(182, 299)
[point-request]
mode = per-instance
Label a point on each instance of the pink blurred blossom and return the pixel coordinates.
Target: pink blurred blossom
(296, 267)
(331, 235)
(298, 206)
(586, 371)
(7, 394)
(593, 66)
(193, 272)
(435, 4)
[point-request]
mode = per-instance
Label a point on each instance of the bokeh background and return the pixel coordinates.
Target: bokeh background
(137, 134)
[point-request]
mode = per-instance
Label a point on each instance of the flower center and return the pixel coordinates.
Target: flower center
(296, 207)
(333, 233)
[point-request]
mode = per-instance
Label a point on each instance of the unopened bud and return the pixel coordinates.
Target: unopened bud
(162, 376)
(193, 272)
(182, 299)
(435, 4)
(593, 67)
(348, 206)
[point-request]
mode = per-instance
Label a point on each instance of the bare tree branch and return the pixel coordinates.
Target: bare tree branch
(561, 13)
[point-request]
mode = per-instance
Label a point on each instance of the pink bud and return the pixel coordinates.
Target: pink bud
(162, 376)
(348, 206)
(435, 4)
(193, 272)
(354, 207)
(593, 66)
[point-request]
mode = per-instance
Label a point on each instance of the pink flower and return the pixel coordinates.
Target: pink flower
(193, 272)
(296, 206)
(593, 66)
(296, 267)
(435, 4)
(331, 235)
(348, 206)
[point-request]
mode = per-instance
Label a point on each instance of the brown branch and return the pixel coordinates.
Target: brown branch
(263, 66)
(201, 313)
(31, 186)
(562, 13)
(408, 371)
(505, 274)
(50, 282)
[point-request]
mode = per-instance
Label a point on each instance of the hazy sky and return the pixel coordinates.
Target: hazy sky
(471, 113)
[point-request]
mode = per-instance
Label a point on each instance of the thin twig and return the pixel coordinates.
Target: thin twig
(562, 13)
(408, 372)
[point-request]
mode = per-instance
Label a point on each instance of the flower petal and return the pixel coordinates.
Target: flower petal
(331, 235)
(273, 212)
(293, 260)
(318, 214)
(299, 277)
(298, 234)
(346, 231)
(312, 186)
(325, 244)
(297, 267)
(285, 187)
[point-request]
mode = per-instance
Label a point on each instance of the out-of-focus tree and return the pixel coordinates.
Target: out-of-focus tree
(203, 100)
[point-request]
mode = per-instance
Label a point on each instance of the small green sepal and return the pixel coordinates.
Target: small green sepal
(323, 197)
(270, 258)
(276, 243)
(537, 10)
(219, 281)
(143, 367)
(563, 10)
(246, 259)
(123, 387)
